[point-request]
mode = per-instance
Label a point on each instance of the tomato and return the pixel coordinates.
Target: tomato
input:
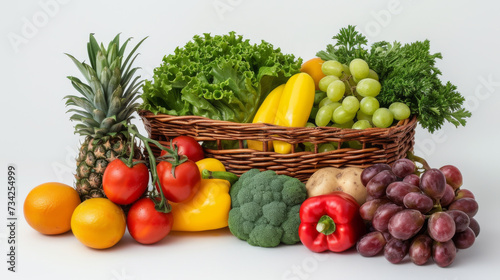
(124, 185)
(313, 68)
(145, 224)
(187, 146)
(185, 184)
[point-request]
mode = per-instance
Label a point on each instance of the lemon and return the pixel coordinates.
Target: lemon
(98, 223)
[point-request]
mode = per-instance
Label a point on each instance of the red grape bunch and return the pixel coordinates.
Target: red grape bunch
(424, 214)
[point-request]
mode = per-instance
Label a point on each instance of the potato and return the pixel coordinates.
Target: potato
(329, 179)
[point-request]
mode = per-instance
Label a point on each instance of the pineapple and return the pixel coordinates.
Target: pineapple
(106, 102)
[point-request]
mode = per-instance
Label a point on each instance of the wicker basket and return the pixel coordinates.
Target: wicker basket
(379, 145)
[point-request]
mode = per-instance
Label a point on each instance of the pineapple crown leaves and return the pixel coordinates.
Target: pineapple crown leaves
(108, 96)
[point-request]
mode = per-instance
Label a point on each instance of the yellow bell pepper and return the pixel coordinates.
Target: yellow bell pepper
(295, 106)
(211, 164)
(209, 208)
(266, 114)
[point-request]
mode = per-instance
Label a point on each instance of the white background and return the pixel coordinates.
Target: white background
(37, 136)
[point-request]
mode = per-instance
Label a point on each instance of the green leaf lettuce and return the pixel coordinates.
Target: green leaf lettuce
(221, 77)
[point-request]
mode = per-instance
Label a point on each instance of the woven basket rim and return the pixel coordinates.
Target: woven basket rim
(192, 119)
(378, 145)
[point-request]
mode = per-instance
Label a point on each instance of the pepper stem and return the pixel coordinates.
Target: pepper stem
(326, 225)
(207, 174)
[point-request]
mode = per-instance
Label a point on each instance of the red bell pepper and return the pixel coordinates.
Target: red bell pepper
(330, 222)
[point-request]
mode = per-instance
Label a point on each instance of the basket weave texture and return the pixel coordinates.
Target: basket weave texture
(379, 145)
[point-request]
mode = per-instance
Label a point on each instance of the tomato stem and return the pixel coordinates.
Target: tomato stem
(172, 156)
(162, 205)
(131, 157)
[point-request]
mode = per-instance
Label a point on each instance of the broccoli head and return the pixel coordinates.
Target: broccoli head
(265, 208)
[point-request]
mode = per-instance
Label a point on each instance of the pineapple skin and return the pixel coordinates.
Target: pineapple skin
(103, 108)
(93, 158)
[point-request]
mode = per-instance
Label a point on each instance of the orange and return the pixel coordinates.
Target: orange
(98, 223)
(48, 207)
(313, 68)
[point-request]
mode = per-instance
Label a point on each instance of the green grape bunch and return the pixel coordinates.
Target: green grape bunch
(347, 98)
(402, 77)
